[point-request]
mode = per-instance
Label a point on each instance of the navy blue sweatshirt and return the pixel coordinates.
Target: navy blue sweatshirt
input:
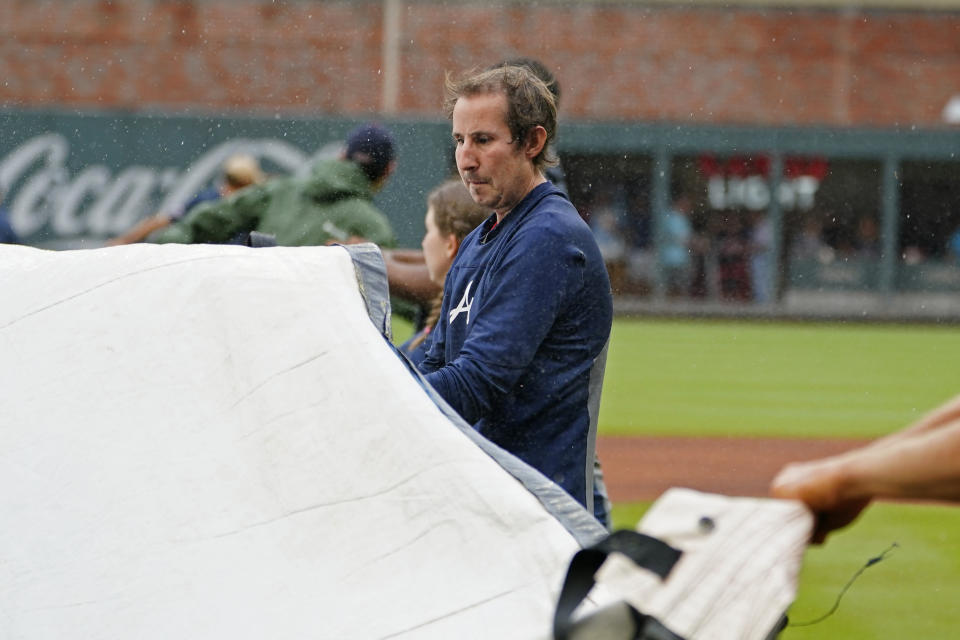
(527, 309)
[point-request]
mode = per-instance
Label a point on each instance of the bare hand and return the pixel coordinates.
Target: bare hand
(819, 485)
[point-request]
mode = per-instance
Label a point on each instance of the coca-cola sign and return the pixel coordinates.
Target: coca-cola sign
(50, 205)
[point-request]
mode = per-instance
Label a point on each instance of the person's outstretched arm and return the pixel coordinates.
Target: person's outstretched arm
(408, 276)
(140, 231)
(217, 221)
(921, 461)
(944, 414)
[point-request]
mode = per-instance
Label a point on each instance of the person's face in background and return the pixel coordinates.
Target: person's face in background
(438, 249)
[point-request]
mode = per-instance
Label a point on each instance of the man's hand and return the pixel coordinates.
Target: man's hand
(819, 485)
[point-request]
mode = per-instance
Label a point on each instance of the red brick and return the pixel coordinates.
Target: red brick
(614, 61)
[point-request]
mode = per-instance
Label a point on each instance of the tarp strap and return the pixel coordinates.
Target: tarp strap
(647, 552)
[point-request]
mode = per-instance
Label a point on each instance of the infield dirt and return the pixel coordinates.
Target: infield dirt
(641, 468)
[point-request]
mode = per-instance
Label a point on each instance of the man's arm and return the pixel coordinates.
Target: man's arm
(218, 221)
(946, 413)
(408, 276)
(141, 230)
(921, 462)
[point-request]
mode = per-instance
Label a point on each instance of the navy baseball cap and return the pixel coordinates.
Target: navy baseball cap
(374, 142)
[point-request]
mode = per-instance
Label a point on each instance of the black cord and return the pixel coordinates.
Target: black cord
(836, 604)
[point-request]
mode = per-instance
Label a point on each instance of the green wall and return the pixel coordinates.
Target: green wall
(73, 179)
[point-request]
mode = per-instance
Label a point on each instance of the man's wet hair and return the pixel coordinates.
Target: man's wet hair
(539, 69)
(530, 103)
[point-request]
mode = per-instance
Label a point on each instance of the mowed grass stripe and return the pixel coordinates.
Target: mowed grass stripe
(680, 377)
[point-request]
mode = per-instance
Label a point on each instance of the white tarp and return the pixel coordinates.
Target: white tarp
(737, 575)
(216, 442)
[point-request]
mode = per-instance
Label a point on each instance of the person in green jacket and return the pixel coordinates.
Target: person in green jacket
(333, 204)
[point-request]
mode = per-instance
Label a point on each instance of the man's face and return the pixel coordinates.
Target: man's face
(494, 168)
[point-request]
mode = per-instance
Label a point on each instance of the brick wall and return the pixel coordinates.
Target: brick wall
(616, 61)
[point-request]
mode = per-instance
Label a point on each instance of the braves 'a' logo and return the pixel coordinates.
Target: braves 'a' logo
(463, 306)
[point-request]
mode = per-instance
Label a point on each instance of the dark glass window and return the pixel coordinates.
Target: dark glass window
(612, 193)
(929, 226)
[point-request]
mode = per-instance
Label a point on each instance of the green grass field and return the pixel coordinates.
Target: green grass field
(672, 377)
(698, 378)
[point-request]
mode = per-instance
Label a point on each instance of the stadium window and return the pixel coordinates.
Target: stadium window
(835, 241)
(612, 193)
(737, 251)
(929, 226)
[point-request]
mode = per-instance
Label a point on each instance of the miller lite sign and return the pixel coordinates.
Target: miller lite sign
(743, 182)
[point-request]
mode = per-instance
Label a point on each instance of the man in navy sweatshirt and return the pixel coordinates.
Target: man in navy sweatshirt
(527, 307)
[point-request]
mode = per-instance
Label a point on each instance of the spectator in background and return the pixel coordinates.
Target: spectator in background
(606, 230)
(641, 256)
(451, 215)
(918, 462)
(527, 308)
(761, 258)
(604, 220)
(7, 234)
(868, 238)
(675, 246)
(239, 171)
(334, 203)
(732, 258)
(809, 244)
(704, 269)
